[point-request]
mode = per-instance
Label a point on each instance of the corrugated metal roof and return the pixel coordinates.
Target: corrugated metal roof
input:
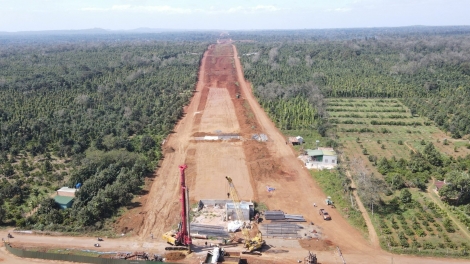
(314, 152)
(243, 205)
(67, 189)
(329, 152)
(62, 199)
(320, 152)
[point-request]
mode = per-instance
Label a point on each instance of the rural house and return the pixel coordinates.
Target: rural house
(439, 185)
(65, 196)
(321, 158)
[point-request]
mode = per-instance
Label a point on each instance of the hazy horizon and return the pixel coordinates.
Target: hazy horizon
(43, 15)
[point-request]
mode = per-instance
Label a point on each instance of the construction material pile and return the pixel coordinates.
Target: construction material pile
(281, 230)
(280, 216)
(209, 230)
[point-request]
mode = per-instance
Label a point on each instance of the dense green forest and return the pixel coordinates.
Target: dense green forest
(91, 110)
(428, 69)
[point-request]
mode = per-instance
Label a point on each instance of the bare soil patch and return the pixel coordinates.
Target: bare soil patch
(172, 256)
(219, 113)
(214, 161)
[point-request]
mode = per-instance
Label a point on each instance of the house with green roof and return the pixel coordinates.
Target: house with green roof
(321, 158)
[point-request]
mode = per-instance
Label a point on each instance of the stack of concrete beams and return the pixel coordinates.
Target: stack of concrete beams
(280, 216)
(294, 218)
(209, 230)
(274, 215)
(281, 230)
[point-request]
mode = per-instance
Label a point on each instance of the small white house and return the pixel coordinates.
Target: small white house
(321, 158)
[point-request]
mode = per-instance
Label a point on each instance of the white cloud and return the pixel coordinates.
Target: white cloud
(176, 10)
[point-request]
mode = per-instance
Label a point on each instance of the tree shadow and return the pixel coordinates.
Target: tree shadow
(133, 205)
(142, 192)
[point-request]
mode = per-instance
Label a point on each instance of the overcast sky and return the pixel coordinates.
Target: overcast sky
(21, 15)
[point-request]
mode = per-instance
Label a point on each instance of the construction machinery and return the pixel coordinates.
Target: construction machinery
(311, 258)
(252, 244)
(181, 239)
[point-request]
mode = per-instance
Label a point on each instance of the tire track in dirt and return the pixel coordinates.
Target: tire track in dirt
(374, 239)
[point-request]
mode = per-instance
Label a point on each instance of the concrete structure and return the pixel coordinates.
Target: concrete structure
(66, 191)
(247, 208)
(220, 136)
(64, 201)
(321, 158)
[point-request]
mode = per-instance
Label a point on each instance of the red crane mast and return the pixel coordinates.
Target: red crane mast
(183, 237)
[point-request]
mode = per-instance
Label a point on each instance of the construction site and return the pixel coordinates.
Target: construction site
(230, 161)
(230, 190)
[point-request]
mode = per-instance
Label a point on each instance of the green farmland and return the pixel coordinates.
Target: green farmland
(354, 119)
(412, 220)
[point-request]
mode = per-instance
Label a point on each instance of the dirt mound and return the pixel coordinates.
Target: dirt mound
(316, 245)
(173, 256)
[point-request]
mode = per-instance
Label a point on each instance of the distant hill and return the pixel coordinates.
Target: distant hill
(91, 31)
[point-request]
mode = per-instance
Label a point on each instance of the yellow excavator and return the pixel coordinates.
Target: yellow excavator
(251, 244)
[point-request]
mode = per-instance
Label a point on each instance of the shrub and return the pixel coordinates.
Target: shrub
(448, 225)
(404, 243)
(405, 196)
(400, 142)
(420, 232)
(452, 245)
(446, 238)
(400, 217)
(428, 245)
(386, 231)
(415, 244)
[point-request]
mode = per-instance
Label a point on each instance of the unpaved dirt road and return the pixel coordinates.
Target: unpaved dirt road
(253, 165)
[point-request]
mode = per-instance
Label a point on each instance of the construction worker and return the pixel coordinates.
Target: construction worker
(151, 235)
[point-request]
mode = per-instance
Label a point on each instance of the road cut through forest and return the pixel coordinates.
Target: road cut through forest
(223, 103)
